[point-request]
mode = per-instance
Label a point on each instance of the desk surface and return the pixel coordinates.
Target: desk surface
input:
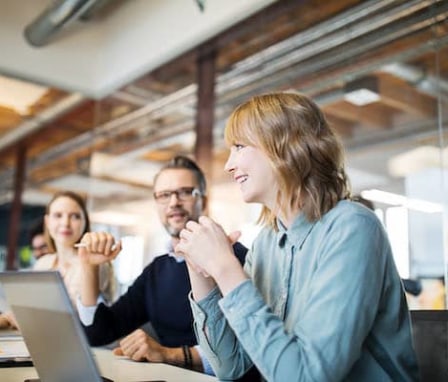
(119, 369)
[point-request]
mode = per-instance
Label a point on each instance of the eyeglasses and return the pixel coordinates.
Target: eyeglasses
(183, 194)
(42, 247)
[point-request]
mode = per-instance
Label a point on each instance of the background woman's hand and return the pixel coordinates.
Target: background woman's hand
(98, 247)
(8, 321)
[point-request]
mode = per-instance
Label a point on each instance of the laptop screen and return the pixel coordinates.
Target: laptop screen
(50, 326)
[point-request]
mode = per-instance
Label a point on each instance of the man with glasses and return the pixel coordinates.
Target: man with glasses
(160, 294)
(39, 246)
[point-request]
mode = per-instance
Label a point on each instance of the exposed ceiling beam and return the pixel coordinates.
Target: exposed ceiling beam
(405, 97)
(356, 114)
(342, 126)
(33, 125)
(8, 118)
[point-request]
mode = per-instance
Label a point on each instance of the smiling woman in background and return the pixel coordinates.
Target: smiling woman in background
(66, 221)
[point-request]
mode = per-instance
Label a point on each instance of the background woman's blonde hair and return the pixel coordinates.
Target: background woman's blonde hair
(305, 154)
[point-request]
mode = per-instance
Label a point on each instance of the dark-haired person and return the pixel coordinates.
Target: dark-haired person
(319, 297)
(160, 294)
(38, 244)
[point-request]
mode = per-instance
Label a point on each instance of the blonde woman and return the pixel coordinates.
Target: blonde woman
(319, 297)
(66, 221)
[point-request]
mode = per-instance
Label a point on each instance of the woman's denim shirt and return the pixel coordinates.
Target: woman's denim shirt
(324, 303)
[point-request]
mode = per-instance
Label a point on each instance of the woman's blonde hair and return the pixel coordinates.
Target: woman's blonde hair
(79, 200)
(305, 154)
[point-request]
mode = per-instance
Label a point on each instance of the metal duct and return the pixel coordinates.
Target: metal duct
(53, 18)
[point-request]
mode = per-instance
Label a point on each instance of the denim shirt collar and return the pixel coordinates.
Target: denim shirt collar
(296, 234)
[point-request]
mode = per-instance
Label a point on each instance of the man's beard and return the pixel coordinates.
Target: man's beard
(173, 232)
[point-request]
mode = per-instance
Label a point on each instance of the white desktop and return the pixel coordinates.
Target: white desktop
(119, 369)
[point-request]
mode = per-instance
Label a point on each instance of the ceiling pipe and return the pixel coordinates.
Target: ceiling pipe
(323, 36)
(268, 76)
(53, 18)
(425, 82)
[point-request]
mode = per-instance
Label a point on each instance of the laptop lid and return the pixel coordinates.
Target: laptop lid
(49, 325)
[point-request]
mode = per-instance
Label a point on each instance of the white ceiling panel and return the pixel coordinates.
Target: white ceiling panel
(99, 56)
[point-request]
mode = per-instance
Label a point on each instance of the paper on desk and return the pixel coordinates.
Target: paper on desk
(13, 347)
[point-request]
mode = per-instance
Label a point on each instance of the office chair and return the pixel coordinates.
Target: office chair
(430, 334)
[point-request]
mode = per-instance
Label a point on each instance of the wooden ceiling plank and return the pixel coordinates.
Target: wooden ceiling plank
(405, 97)
(8, 118)
(343, 127)
(357, 114)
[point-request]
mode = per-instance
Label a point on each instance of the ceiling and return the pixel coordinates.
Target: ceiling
(116, 94)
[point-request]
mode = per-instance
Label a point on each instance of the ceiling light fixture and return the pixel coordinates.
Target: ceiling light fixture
(401, 200)
(362, 91)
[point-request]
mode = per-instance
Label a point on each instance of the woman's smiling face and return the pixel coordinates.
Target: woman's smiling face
(65, 221)
(252, 170)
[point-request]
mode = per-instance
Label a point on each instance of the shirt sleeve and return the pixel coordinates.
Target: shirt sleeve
(87, 313)
(212, 328)
(205, 364)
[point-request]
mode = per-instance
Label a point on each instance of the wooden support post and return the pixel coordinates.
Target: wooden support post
(16, 209)
(205, 110)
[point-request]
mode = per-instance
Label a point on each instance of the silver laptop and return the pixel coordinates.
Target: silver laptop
(50, 327)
